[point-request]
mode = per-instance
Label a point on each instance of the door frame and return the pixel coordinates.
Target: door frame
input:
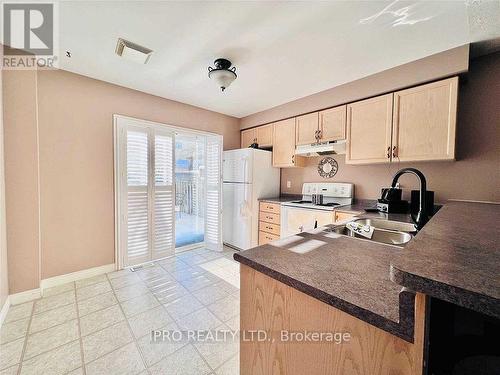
(117, 158)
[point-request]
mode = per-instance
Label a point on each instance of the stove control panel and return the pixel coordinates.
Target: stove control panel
(329, 189)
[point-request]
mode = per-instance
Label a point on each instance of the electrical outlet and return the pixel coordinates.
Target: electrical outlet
(288, 184)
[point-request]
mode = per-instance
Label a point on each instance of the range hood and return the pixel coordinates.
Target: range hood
(322, 148)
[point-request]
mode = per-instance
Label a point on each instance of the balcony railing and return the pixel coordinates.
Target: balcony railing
(189, 193)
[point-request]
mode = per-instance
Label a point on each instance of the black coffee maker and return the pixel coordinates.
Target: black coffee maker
(390, 201)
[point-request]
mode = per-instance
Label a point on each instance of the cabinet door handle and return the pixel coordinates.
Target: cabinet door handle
(394, 154)
(320, 134)
(388, 152)
(293, 159)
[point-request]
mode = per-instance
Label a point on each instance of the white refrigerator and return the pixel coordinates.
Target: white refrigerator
(248, 175)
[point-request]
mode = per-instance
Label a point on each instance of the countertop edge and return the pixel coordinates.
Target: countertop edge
(403, 329)
(449, 293)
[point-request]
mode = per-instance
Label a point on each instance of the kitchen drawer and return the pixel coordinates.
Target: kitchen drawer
(270, 207)
(269, 217)
(266, 237)
(269, 228)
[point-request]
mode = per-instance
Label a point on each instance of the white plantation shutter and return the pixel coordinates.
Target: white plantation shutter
(163, 213)
(137, 197)
(145, 190)
(213, 222)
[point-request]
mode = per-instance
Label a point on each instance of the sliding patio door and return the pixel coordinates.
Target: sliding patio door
(146, 193)
(145, 186)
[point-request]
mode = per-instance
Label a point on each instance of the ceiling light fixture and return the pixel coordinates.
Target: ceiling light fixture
(223, 74)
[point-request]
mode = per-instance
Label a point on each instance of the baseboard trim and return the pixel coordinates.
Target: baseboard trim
(74, 276)
(27, 295)
(4, 311)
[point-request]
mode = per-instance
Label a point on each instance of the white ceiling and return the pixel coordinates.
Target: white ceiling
(282, 50)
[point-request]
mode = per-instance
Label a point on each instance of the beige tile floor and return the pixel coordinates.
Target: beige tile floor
(102, 325)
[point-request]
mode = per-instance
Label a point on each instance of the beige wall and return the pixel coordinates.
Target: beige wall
(21, 179)
(476, 173)
(75, 124)
(433, 67)
(4, 278)
(76, 162)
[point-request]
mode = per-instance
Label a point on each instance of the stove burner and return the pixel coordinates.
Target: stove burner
(301, 202)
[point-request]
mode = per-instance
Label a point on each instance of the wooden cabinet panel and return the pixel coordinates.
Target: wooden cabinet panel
(248, 137)
(265, 135)
(306, 128)
(369, 125)
(269, 228)
(266, 237)
(273, 307)
(270, 207)
(284, 145)
(424, 122)
(269, 222)
(269, 217)
(332, 124)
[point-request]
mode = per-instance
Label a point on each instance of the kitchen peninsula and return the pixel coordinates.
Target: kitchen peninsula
(324, 282)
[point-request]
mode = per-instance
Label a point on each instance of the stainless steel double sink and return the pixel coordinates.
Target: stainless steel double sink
(385, 231)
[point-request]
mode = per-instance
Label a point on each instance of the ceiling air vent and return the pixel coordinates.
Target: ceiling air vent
(132, 51)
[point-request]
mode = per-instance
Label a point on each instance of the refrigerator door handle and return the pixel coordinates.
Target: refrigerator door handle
(245, 171)
(245, 208)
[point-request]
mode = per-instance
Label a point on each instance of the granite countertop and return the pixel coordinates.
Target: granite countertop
(282, 198)
(454, 258)
(358, 206)
(349, 274)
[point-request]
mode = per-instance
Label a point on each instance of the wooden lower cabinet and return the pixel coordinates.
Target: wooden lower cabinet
(269, 305)
(265, 238)
(269, 222)
(270, 207)
(269, 228)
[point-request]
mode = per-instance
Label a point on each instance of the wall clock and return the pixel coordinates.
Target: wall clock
(327, 167)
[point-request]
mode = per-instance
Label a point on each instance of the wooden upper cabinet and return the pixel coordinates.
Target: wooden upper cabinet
(424, 122)
(332, 124)
(248, 137)
(265, 135)
(369, 124)
(284, 145)
(307, 128)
